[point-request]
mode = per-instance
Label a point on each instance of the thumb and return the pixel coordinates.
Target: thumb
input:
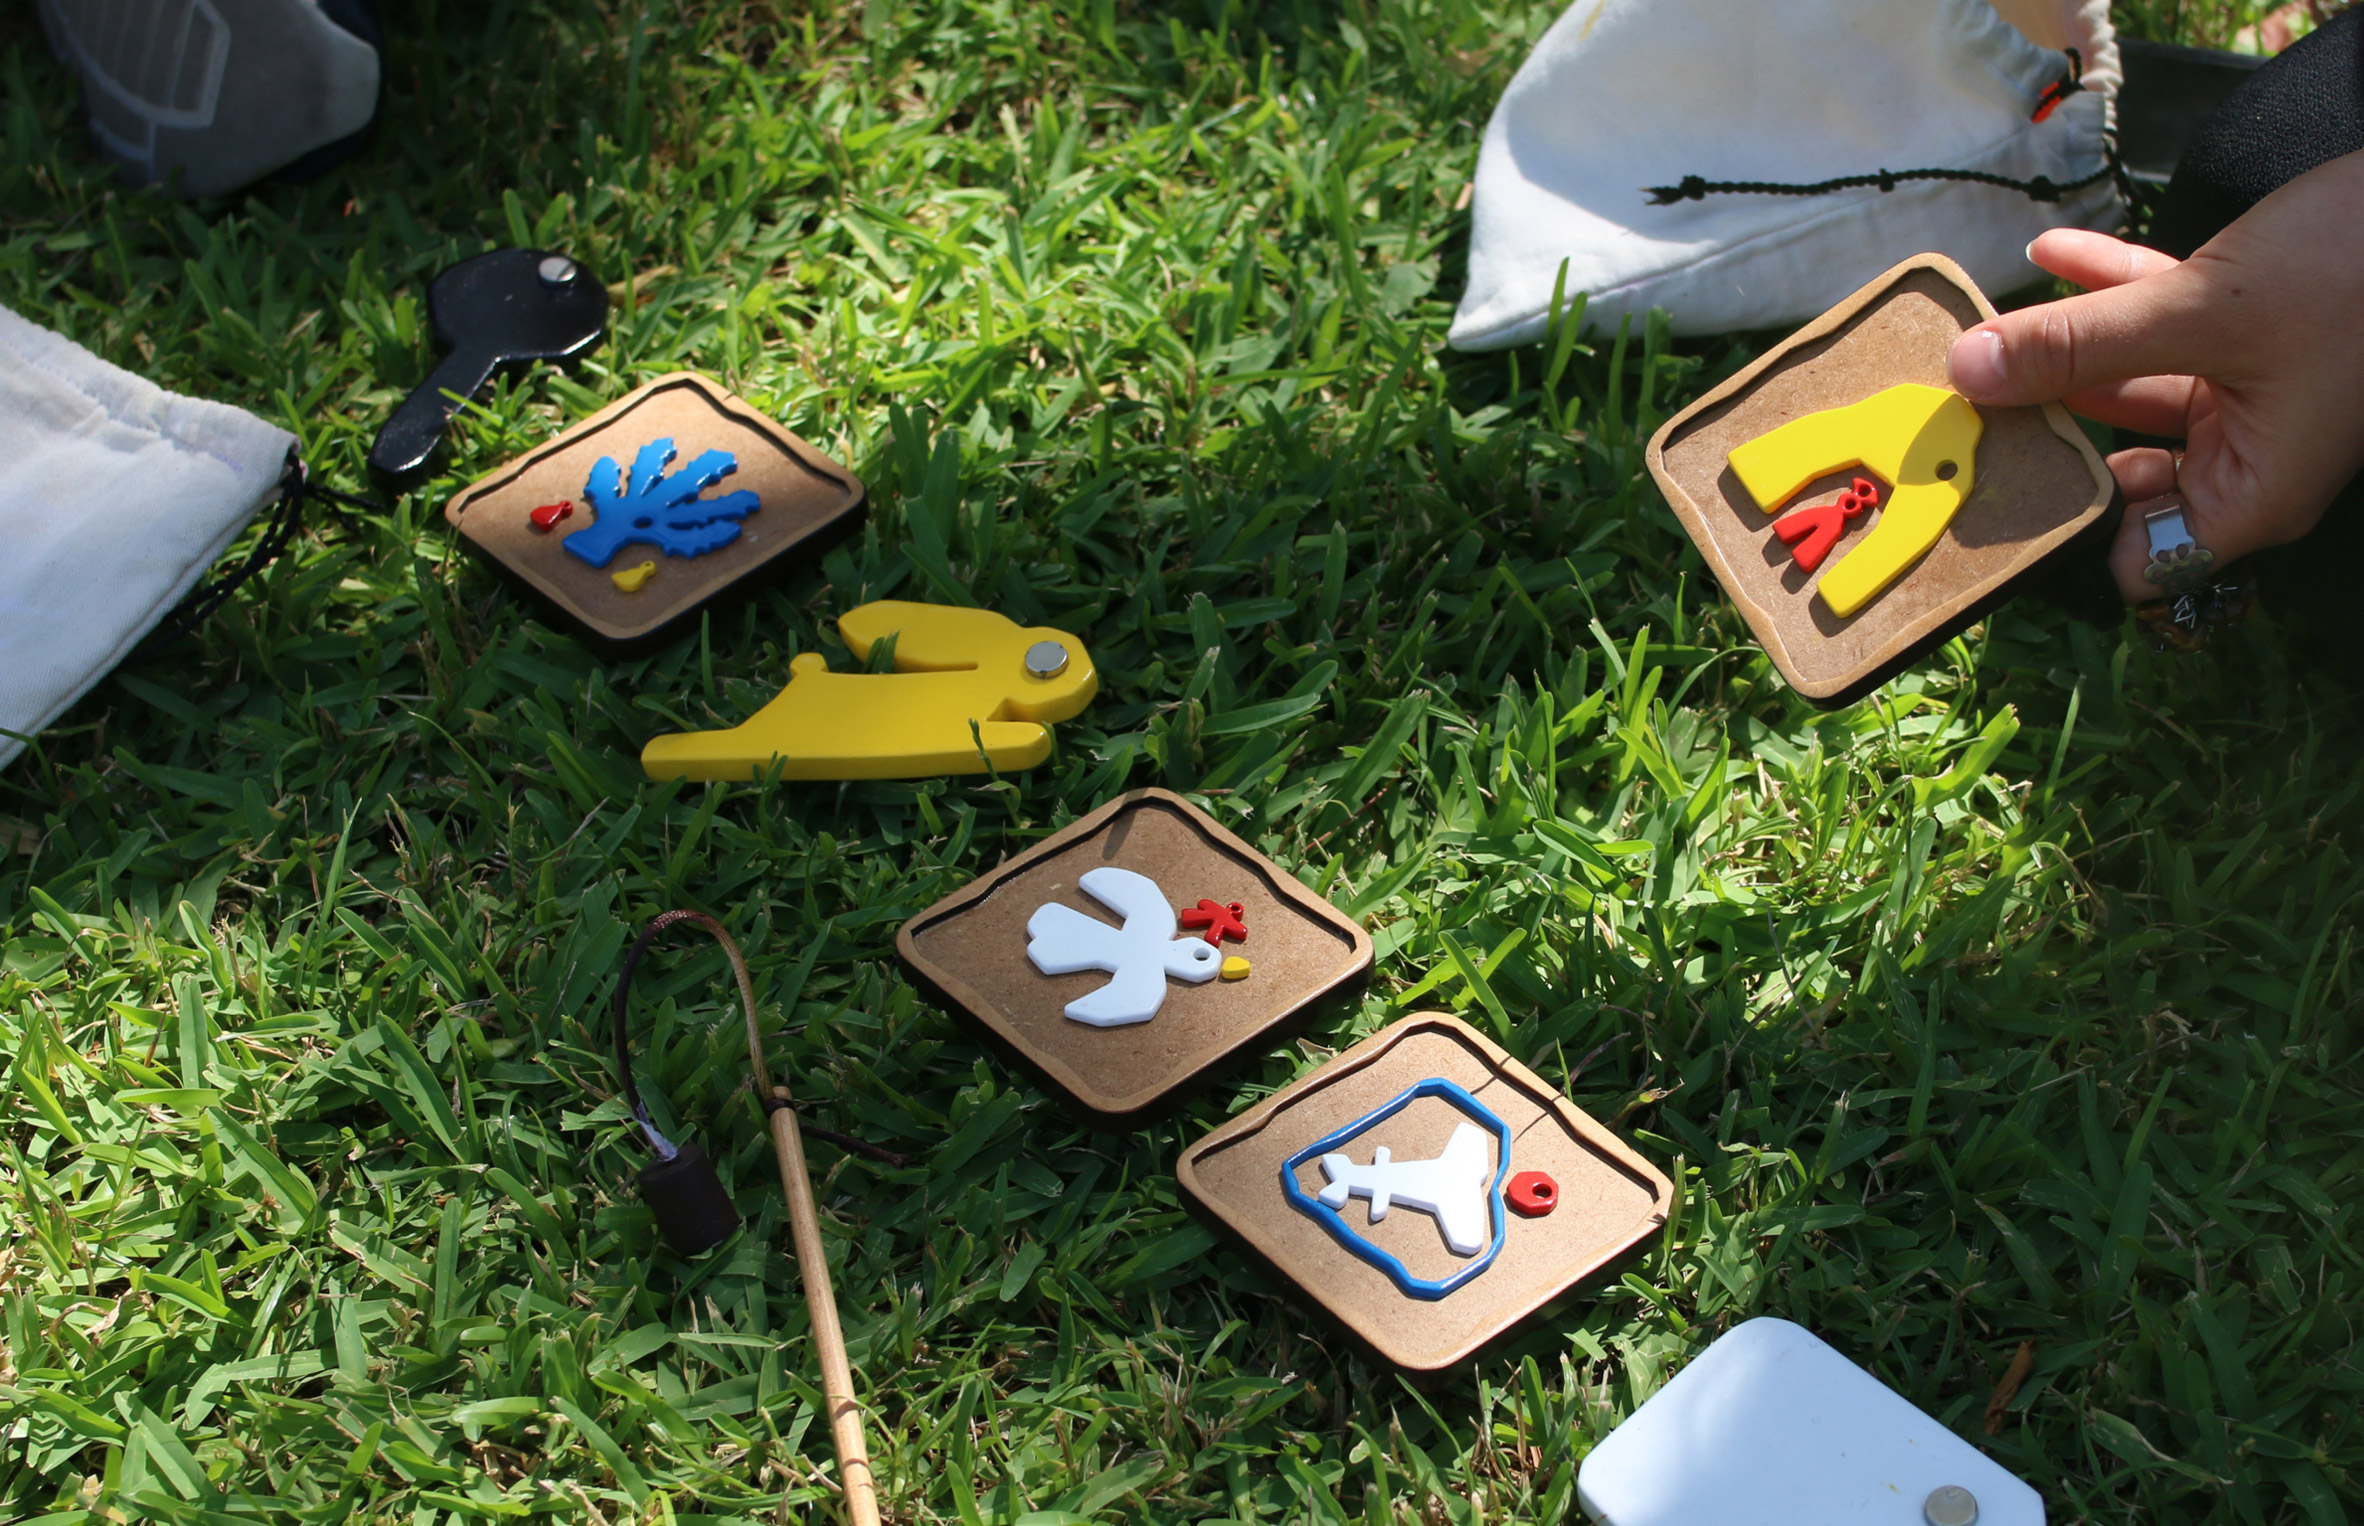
(2156, 326)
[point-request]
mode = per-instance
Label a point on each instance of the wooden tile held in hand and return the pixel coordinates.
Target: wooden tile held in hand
(2040, 485)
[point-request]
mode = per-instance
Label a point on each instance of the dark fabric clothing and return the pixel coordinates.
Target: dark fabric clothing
(2302, 109)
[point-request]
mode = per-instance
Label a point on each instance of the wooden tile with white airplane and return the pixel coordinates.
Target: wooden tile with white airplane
(1426, 1189)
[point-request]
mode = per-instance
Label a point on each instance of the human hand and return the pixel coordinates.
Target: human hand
(2252, 351)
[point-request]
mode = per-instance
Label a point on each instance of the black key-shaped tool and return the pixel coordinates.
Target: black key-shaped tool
(499, 309)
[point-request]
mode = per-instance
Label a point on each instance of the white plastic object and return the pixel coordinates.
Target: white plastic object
(1622, 96)
(1138, 956)
(1771, 1427)
(115, 496)
(1453, 1188)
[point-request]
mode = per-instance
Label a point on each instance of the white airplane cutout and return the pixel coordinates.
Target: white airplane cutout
(1139, 955)
(1453, 1188)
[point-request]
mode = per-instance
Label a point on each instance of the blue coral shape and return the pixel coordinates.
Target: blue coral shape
(661, 510)
(1346, 1235)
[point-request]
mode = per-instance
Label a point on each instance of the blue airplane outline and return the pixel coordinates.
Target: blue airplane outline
(1334, 1219)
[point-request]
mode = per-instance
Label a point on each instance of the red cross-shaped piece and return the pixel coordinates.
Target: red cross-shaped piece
(1219, 920)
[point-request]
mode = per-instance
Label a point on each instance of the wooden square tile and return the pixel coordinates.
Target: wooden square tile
(804, 501)
(1421, 1110)
(2038, 486)
(979, 949)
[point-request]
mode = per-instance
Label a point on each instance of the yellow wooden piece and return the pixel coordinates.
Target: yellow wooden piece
(632, 578)
(1234, 968)
(1922, 440)
(963, 678)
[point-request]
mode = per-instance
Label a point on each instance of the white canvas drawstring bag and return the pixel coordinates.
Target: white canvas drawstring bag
(115, 496)
(1619, 145)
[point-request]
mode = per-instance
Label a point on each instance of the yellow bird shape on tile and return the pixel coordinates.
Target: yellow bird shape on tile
(969, 685)
(1922, 440)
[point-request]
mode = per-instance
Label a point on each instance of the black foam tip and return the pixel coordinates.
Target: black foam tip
(693, 1212)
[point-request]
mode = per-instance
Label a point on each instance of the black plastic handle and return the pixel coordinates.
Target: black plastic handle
(409, 437)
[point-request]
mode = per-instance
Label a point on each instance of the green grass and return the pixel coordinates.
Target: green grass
(2015, 1005)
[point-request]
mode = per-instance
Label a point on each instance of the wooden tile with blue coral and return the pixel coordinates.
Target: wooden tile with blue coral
(635, 519)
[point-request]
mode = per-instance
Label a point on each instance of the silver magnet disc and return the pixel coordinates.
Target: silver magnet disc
(1046, 659)
(555, 270)
(1950, 1505)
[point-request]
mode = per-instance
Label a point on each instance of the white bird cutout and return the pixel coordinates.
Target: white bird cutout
(1451, 1188)
(1139, 955)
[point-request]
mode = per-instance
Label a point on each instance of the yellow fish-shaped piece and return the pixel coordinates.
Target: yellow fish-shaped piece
(1922, 440)
(963, 678)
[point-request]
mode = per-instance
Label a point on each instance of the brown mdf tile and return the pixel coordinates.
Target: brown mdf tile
(1608, 1200)
(2039, 484)
(972, 947)
(806, 500)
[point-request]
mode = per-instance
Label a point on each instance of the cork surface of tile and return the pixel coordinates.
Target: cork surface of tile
(805, 497)
(2038, 483)
(1609, 1197)
(972, 948)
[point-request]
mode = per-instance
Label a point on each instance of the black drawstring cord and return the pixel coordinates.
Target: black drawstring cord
(842, 1141)
(665, 1147)
(2038, 188)
(286, 516)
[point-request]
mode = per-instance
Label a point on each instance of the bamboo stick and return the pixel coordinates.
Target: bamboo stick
(804, 1218)
(837, 1371)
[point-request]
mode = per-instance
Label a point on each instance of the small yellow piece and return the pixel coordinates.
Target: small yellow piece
(1234, 968)
(969, 686)
(1923, 440)
(631, 579)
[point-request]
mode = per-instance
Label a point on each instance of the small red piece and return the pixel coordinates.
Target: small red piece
(1219, 920)
(1811, 532)
(1532, 1193)
(549, 514)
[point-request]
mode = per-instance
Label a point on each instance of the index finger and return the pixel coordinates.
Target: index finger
(2155, 325)
(2095, 261)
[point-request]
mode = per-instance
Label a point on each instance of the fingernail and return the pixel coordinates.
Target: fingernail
(2031, 251)
(1977, 364)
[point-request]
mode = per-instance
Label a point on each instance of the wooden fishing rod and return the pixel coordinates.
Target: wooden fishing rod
(696, 1215)
(837, 1370)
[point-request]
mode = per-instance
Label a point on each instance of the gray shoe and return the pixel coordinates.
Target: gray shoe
(211, 95)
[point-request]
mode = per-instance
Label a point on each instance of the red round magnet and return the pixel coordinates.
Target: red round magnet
(1533, 1194)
